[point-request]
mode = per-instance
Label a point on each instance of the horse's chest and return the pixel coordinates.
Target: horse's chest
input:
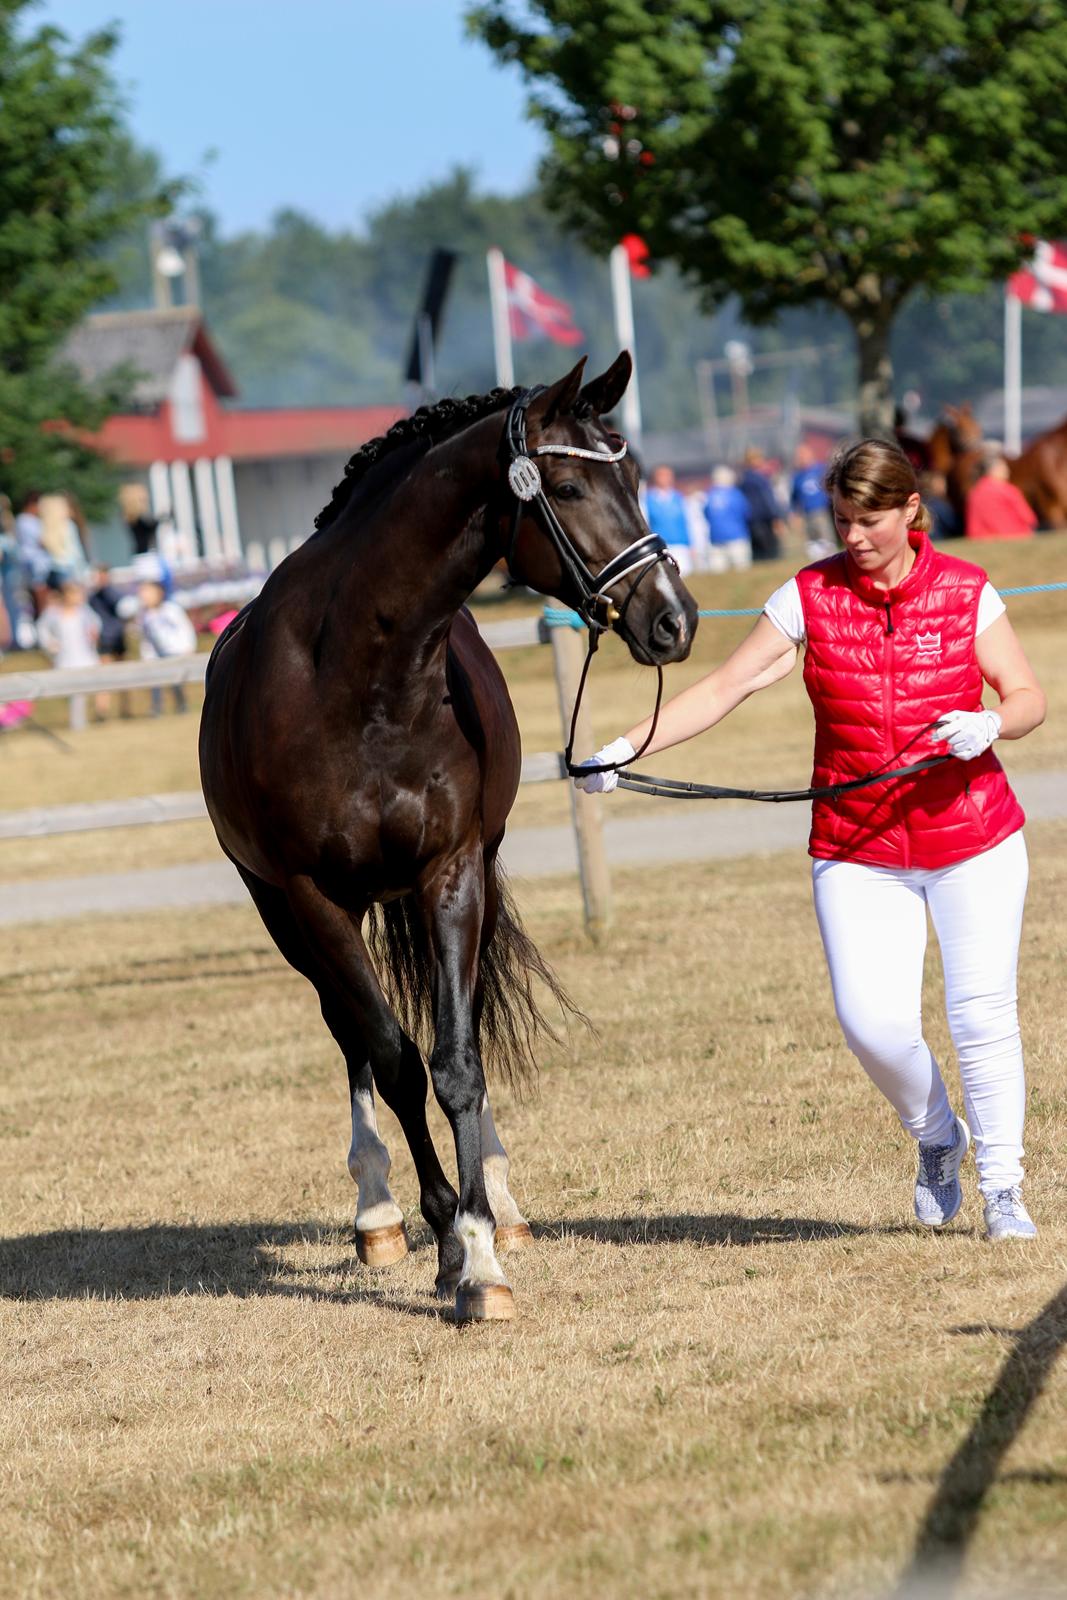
(388, 830)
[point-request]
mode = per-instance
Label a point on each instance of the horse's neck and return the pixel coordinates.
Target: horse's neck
(424, 551)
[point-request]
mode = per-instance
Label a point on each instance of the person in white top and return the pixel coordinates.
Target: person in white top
(69, 630)
(871, 901)
(165, 631)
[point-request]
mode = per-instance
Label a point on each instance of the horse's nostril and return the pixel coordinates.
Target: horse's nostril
(668, 626)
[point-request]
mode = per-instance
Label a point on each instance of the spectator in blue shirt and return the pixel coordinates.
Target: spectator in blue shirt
(810, 504)
(728, 517)
(765, 514)
(665, 513)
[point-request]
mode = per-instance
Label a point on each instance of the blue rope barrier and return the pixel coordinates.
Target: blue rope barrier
(561, 617)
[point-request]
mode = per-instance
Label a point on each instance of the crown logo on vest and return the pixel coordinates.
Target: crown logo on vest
(928, 646)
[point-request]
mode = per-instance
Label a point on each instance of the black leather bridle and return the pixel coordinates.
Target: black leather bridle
(595, 605)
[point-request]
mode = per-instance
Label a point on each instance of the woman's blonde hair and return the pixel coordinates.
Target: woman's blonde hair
(876, 475)
(56, 533)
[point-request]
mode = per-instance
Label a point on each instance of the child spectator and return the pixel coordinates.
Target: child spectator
(165, 631)
(69, 631)
(111, 609)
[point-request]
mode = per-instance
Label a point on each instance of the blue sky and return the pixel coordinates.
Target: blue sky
(332, 106)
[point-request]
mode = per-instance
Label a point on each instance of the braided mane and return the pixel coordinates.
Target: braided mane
(429, 425)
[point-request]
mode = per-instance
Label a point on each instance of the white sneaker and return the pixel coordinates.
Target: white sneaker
(938, 1195)
(1007, 1218)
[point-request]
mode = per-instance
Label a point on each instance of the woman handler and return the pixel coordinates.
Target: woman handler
(899, 637)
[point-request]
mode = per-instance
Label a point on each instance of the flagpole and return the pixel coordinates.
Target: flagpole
(624, 332)
(1013, 373)
(498, 304)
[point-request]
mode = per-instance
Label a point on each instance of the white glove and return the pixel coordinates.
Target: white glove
(604, 782)
(968, 733)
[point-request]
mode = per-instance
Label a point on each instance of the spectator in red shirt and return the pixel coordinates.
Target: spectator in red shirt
(996, 509)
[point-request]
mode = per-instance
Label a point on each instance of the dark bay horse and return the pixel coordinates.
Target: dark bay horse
(359, 756)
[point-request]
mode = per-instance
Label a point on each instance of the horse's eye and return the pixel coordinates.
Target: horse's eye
(567, 491)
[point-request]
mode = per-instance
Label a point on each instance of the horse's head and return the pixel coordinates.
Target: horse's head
(573, 526)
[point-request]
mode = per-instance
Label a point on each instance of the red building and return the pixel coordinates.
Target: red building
(226, 483)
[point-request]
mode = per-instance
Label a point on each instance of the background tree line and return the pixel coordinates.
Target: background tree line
(304, 314)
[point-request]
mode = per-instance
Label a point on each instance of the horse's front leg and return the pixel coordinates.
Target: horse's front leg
(452, 900)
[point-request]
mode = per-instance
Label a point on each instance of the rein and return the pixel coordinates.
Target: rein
(676, 789)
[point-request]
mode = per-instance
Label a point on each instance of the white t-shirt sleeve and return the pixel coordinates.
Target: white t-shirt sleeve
(990, 607)
(786, 611)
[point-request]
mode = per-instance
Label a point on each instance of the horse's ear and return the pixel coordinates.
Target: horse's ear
(559, 399)
(604, 393)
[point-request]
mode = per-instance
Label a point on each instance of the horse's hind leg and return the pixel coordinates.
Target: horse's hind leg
(512, 1229)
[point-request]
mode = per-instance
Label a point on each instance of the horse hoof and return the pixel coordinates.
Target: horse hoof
(519, 1236)
(381, 1247)
(484, 1302)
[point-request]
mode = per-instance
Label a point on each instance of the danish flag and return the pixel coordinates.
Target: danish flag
(1042, 283)
(533, 312)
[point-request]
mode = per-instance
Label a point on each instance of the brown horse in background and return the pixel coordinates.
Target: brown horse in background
(955, 450)
(1041, 473)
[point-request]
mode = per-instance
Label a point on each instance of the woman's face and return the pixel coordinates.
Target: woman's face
(874, 539)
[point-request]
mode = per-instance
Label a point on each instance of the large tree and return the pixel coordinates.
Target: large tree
(852, 152)
(64, 158)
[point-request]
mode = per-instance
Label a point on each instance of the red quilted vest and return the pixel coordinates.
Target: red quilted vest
(879, 665)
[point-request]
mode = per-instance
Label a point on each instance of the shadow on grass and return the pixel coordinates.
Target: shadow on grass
(954, 1512)
(195, 967)
(724, 1228)
(168, 1259)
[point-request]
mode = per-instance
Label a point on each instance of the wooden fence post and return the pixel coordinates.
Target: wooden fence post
(567, 656)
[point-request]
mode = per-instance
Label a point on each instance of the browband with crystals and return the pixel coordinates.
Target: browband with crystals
(576, 450)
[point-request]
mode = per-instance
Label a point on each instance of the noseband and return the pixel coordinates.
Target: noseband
(595, 605)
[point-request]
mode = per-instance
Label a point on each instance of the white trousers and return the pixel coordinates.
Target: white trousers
(873, 926)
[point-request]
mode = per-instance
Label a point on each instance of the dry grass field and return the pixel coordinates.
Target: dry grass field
(738, 1368)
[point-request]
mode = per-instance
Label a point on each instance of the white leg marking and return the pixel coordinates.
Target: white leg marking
(480, 1264)
(368, 1162)
(495, 1168)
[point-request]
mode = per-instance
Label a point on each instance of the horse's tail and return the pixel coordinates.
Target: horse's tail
(512, 1020)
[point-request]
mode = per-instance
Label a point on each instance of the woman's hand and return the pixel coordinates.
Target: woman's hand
(619, 750)
(968, 733)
